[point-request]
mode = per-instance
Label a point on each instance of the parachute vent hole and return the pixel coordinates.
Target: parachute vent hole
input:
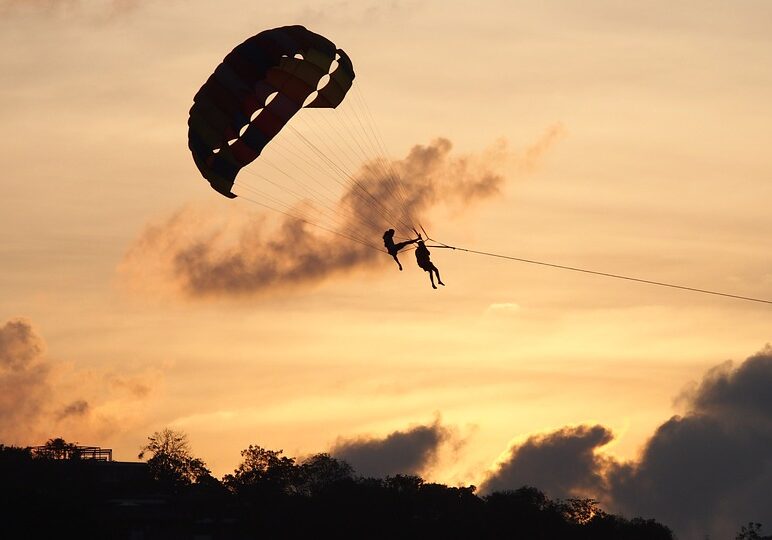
(216, 151)
(299, 56)
(232, 141)
(323, 82)
(243, 129)
(311, 97)
(271, 97)
(333, 66)
(255, 115)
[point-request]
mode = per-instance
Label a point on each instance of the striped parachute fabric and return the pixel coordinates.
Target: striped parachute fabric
(255, 91)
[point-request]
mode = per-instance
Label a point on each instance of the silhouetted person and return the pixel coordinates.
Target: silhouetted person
(422, 258)
(392, 248)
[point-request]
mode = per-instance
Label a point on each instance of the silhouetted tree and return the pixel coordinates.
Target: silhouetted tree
(57, 448)
(752, 531)
(525, 510)
(404, 483)
(264, 470)
(321, 471)
(271, 495)
(579, 511)
(171, 462)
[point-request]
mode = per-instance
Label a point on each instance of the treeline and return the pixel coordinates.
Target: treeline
(52, 491)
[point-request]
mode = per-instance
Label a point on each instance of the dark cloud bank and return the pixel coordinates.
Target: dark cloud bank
(703, 473)
(190, 254)
(400, 452)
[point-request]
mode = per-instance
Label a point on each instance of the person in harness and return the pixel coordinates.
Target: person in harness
(422, 258)
(392, 248)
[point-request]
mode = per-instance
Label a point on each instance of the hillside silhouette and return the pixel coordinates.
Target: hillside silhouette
(64, 490)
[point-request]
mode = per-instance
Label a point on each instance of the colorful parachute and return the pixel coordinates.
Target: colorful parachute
(254, 92)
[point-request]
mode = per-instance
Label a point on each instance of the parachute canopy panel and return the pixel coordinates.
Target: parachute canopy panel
(255, 91)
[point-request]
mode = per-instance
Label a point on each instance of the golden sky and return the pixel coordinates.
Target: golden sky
(637, 143)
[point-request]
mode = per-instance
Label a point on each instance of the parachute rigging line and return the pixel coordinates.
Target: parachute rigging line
(303, 220)
(597, 273)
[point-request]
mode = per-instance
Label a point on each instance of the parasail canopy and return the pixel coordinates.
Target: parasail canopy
(255, 91)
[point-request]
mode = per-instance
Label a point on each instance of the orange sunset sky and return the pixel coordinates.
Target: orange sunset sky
(632, 138)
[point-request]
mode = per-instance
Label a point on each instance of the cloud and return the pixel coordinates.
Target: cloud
(562, 464)
(40, 398)
(535, 152)
(361, 12)
(703, 473)
(24, 379)
(138, 386)
(196, 254)
(19, 345)
(69, 8)
(708, 471)
(400, 452)
(77, 408)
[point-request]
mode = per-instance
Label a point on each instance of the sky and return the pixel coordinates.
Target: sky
(618, 137)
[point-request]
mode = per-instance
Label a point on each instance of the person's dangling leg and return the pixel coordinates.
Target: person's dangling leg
(438, 275)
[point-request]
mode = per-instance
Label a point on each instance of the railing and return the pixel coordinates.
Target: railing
(73, 452)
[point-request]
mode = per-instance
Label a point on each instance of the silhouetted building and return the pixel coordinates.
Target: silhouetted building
(71, 451)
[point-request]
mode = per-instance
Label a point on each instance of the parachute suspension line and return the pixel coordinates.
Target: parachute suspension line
(313, 191)
(603, 274)
(380, 159)
(325, 212)
(362, 153)
(381, 163)
(303, 220)
(342, 216)
(334, 171)
(351, 166)
(351, 151)
(351, 155)
(291, 212)
(321, 167)
(273, 199)
(377, 138)
(331, 211)
(332, 204)
(354, 186)
(375, 204)
(329, 202)
(288, 210)
(398, 180)
(289, 176)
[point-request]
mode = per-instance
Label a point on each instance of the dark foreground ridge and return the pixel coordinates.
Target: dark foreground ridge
(62, 490)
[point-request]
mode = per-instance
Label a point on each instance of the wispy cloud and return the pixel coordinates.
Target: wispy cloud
(77, 408)
(97, 11)
(25, 390)
(533, 154)
(39, 399)
(349, 12)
